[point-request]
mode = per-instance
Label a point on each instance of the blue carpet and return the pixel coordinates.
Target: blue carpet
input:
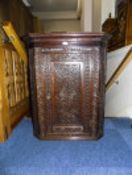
(23, 154)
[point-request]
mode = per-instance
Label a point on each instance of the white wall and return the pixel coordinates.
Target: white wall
(108, 6)
(86, 17)
(114, 58)
(119, 96)
(62, 26)
(94, 13)
(96, 17)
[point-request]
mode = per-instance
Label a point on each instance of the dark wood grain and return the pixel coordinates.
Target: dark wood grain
(67, 84)
(119, 27)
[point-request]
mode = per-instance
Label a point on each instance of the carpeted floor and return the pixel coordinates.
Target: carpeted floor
(23, 154)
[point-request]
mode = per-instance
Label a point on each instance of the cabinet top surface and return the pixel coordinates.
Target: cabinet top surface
(85, 38)
(67, 35)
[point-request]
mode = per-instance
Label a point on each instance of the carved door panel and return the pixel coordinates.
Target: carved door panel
(63, 93)
(66, 96)
(65, 87)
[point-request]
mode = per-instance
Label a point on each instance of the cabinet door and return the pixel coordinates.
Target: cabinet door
(66, 96)
(65, 90)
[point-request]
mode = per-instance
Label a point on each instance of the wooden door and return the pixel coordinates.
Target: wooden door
(65, 93)
(66, 96)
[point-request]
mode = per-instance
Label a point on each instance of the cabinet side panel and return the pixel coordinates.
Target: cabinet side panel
(33, 92)
(101, 102)
(91, 90)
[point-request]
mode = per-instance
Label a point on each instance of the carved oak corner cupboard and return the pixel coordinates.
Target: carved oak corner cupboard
(67, 82)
